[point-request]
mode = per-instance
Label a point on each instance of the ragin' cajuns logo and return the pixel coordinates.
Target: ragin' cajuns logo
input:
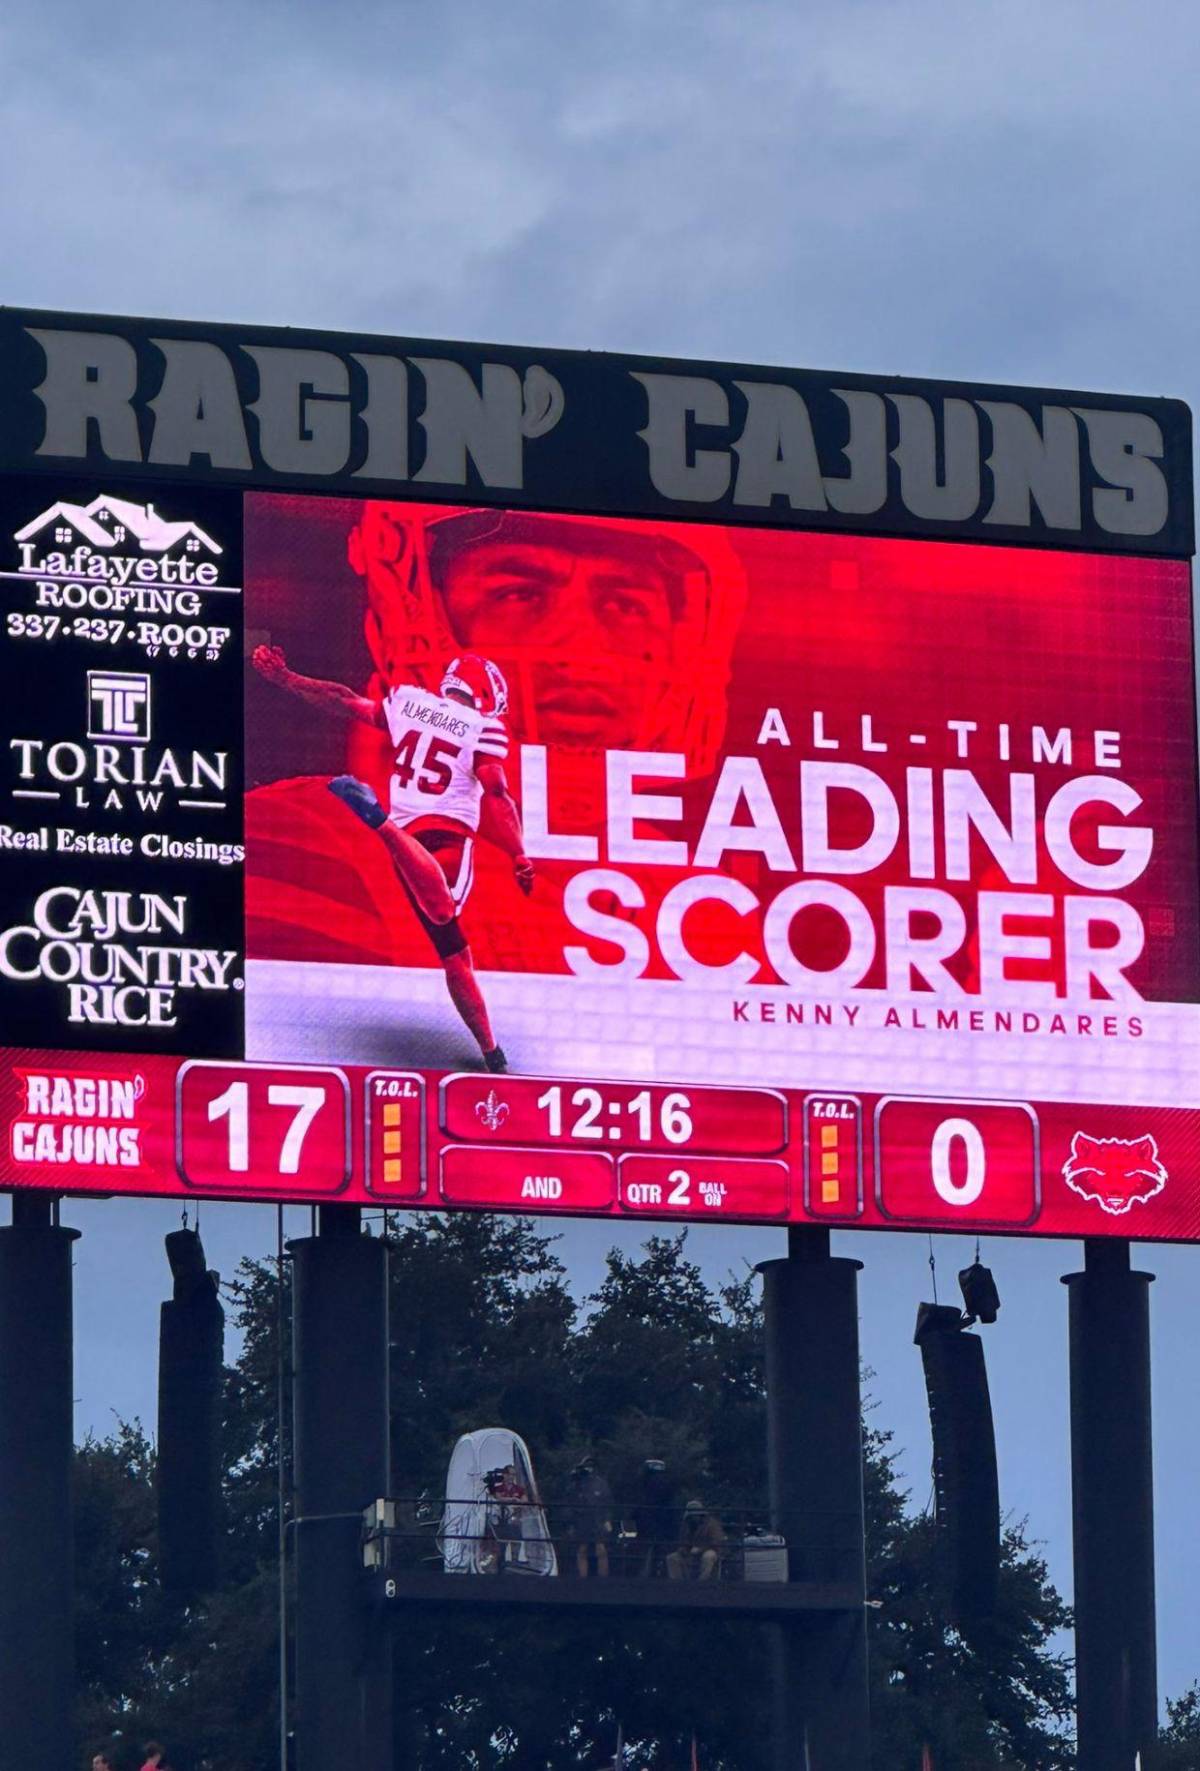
(1116, 1172)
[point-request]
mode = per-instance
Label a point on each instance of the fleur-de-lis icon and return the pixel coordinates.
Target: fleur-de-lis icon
(492, 1112)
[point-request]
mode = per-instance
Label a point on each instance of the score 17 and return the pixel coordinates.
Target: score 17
(278, 1132)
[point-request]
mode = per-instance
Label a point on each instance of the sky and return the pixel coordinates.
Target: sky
(1003, 190)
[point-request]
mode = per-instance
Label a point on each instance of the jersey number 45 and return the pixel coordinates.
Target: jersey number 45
(425, 762)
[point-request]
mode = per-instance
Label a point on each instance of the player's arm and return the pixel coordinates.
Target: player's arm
(502, 818)
(334, 698)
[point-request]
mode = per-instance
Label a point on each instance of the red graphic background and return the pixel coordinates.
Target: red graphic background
(912, 634)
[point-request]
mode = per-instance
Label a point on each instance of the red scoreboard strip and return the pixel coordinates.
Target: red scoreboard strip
(157, 1126)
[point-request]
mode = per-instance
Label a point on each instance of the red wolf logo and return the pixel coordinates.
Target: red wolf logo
(1116, 1172)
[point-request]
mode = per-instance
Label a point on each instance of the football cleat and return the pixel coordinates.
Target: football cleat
(496, 1061)
(479, 680)
(361, 799)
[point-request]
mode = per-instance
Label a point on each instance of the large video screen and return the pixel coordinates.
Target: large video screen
(472, 857)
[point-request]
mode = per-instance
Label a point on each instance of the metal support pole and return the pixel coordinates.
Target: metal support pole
(1112, 1494)
(37, 1647)
(191, 1400)
(343, 1689)
(815, 1461)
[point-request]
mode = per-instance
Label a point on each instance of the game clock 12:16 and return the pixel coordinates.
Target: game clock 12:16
(650, 1116)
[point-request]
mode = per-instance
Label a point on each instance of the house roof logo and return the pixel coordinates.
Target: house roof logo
(111, 523)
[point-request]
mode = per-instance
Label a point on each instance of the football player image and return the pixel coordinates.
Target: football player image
(611, 638)
(447, 759)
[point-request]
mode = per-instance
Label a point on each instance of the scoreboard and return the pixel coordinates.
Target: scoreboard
(756, 794)
(423, 1140)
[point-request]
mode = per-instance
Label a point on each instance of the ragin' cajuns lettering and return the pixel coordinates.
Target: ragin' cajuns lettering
(771, 456)
(85, 1120)
(816, 449)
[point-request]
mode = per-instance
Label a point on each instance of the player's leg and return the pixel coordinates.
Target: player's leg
(450, 945)
(454, 856)
(435, 866)
(467, 998)
(420, 872)
(417, 868)
(458, 864)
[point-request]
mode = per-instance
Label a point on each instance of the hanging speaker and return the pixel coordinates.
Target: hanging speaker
(981, 1299)
(966, 1486)
(191, 1348)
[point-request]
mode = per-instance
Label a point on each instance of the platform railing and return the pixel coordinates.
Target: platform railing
(510, 1535)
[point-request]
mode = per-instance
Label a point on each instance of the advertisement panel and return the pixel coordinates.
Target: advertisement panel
(462, 855)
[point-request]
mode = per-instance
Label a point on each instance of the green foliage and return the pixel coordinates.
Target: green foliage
(123, 1623)
(1179, 1749)
(203, 1677)
(657, 1363)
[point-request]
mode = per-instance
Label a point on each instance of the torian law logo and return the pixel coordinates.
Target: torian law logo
(119, 705)
(1117, 1173)
(118, 769)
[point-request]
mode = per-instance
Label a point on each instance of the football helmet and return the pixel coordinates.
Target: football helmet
(407, 627)
(479, 678)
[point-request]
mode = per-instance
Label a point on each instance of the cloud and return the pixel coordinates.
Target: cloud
(921, 186)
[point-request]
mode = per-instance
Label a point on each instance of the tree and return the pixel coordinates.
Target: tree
(656, 1363)
(123, 1623)
(1179, 1743)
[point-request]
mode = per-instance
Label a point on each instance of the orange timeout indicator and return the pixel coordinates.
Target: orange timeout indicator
(395, 1126)
(833, 1156)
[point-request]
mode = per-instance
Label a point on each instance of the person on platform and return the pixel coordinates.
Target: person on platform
(591, 1513)
(653, 1509)
(508, 1515)
(701, 1537)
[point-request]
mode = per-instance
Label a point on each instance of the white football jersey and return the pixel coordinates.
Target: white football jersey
(436, 742)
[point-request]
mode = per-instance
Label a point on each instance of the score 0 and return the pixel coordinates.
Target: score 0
(275, 1132)
(957, 1163)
